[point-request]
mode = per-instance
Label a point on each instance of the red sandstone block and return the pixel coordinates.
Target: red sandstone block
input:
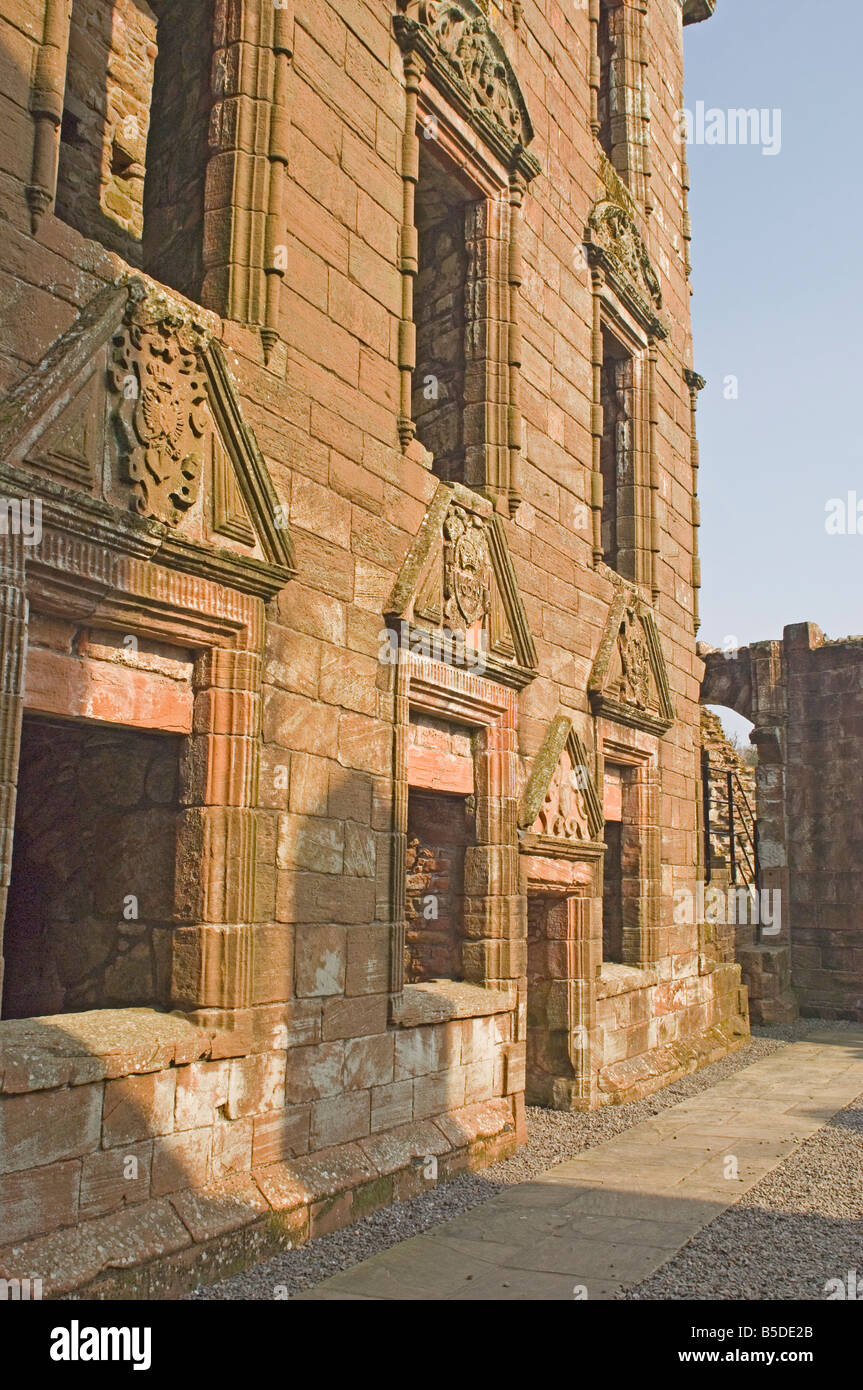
(364, 744)
(48, 1126)
(281, 1136)
(421, 1051)
(181, 1161)
(319, 959)
(330, 1215)
(73, 1258)
(202, 1090)
(314, 1072)
(341, 1119)
(437, 1094)
(232, 1148)
(138, 1107)
(367, 960)
(318, 509)
(392, 1105)
(225, 1206)
(39, 1201)
(363, 1015)
(114, 1179)
(389, 1152)
(257, 1084)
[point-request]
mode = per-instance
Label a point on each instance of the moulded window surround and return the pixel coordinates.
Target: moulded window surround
(134, 134)
(465, 134)
(624, 456)
(631, 876)
(620, 115)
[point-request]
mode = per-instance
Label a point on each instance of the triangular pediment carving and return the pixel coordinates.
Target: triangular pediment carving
(560, 800)
(135, 407)
(467, 61)
(629, 680)
(614, 243)
(458, 581)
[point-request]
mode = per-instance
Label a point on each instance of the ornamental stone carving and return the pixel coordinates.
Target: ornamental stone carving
(634, 661)
(459, 46)
(160, 416)
(467, 569)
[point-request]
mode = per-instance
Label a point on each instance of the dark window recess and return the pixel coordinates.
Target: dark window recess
(616, 454)
(440, 296)
(89, 922)
(440, 828)
(134, 135)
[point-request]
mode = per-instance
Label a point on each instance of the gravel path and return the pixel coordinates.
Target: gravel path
(554, 1137)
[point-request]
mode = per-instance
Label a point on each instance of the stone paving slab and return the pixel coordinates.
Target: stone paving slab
(615, 1213)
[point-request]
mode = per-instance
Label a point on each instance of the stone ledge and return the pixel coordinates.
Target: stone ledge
(623, 979)
(165, 1247)
(437, 1001)
(40, 1054)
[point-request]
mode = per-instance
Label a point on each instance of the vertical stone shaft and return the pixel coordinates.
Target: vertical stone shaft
(653, 425)
(595, 74)
(596, 419)
(695, 383)
(516, 196)
(409, 253)
(275, 264)
(46, 104)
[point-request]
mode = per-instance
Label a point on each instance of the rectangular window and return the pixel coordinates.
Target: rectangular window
(134, 135)
(89, 923)
(440, 829)
(617, 456)
(606, 78)
(440, 315)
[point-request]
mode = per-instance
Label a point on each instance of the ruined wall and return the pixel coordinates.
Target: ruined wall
(803, 696)
(825, 852)
(323, 399)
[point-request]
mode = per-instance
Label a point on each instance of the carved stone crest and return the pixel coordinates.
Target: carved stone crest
(564, 813)
(465, 51)
(634, 661)
(467, 569)
(613, 228)
(629, 681)
(160, 416)
(613, 241)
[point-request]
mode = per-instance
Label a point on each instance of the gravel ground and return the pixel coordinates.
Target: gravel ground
(554, 1137)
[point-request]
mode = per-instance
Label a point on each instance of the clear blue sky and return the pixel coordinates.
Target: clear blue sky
(777, 251)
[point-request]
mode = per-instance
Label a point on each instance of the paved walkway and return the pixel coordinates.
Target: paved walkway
(617, 1212)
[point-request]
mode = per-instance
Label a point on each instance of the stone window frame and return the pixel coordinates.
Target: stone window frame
(630, 156)
(246, 249)
(494, 948)
(472, 139)
(122, 589)
(638, 498)
(632, 749)
(103, 567)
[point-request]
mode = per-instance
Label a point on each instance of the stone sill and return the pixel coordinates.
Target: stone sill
(437, 1001)
(623, 979)
(37, 1054)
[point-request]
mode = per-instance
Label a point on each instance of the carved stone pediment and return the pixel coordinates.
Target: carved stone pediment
(560, 801)
(629, 680)
(614, 243)
(457, 582)
(467, 60)
(134, 410)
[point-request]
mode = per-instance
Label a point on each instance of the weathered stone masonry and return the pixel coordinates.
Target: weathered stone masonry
(802, 695)
(215, 384)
